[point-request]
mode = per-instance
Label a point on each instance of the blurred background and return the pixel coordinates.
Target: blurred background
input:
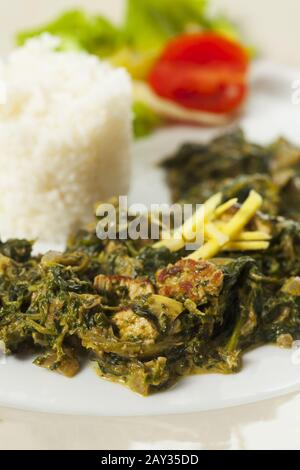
(272, 26)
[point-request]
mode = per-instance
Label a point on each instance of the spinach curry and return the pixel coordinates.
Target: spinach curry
(148, 314)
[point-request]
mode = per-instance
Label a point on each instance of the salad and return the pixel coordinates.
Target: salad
(187, 65)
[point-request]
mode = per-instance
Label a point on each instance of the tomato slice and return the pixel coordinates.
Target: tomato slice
(203, 71)
(204, 49)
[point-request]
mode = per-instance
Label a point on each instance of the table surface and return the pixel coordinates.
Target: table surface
(272, 424)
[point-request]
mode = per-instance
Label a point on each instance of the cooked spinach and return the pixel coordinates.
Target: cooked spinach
(234, 166)
(147, 316)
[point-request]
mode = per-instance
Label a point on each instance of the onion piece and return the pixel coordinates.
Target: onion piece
(170, 110)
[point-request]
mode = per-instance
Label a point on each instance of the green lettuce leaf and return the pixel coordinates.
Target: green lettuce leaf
(150, 23)
(222, 25)
(145, 120)
(147, 26)
(80, 31)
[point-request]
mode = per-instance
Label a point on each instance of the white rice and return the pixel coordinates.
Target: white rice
(65, 135)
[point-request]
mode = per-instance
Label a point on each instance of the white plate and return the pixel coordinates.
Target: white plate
(267, 371)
